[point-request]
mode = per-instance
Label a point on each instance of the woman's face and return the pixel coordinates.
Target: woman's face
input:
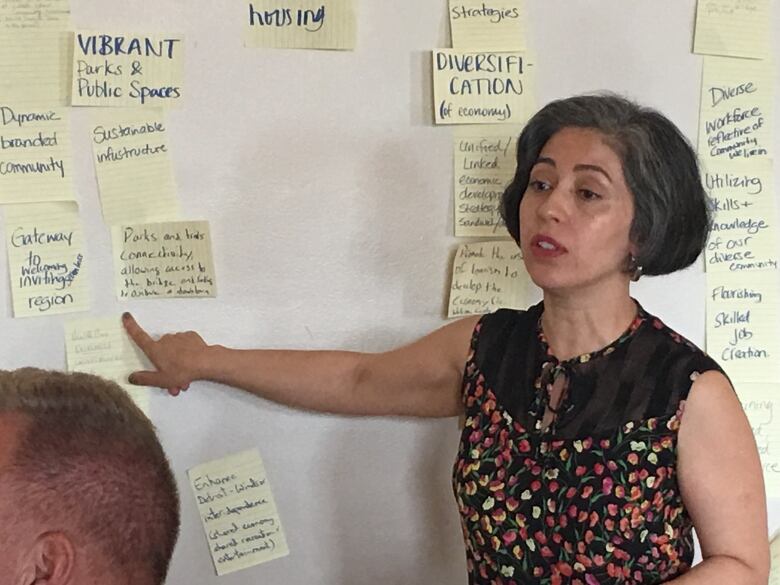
(576, 214)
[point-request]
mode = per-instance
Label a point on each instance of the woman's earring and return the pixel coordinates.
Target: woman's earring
(634, 268)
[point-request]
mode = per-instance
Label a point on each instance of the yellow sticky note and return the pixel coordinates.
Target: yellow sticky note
(736, 109)
(484, 164)
(759, 402)
(742, 324)
(300, 24)
(133, 166)
(46, 259)
(163, 260)
(481, 87)
(35, 14)
(238, 512)
(744, 227)
(487, 276)
(35, 155)
(35, 67)
(494, 25)
(774, 550)
(127, 70)
(733, 28)
(102, 347)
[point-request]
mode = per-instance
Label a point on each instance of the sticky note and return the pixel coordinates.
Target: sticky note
(482, 87)
(102, 347)
(238, 512)
(133, 166)
(484, 164)
(742, 324)
(774, 552)
(744, 229)
(759, 402)
(736, 109)
(34, 14)
(491, 25)
(487, 276)
(127, 70)
(46, 259)
(300, 24)
(35, 155)
(35, 67)
(160, 260)
(733, 28)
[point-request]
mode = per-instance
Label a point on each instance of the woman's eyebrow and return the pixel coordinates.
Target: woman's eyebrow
(596, 168)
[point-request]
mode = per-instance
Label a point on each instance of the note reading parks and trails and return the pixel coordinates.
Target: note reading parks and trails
(494, 25)
(127, 70)
(102, 347)
(300, 24)
(481, 87)
(733, 28)
(163, 260)
(487, 276)
(238, 512)
(46, 259)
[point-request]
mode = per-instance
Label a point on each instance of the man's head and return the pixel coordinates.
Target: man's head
(86, 492)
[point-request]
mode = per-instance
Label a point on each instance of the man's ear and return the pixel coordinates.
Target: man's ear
(51, 561)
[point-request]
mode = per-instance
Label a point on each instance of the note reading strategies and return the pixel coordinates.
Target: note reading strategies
(487, 276)
(759, 401)
(35, 155)
(46, 259)
(34, 14)
(127, 70)
(742, 324)
(102, 347)
(733, 28)
(168, 259)
(481, 88)
(35, 67)
(133, 166)
(494, 25)
(484, 164)
(743, 232)
(737, 109)
(238, 512)
(300, 24)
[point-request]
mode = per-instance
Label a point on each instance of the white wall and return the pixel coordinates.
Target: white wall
(329, 195)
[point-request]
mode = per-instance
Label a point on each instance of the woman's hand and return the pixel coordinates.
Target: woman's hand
(176, 356)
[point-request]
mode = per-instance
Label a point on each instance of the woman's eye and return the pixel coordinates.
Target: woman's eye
(538, 185)
(589, 195)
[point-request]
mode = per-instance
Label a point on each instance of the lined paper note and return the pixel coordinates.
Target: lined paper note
(742, 325)
(46, 259)
(35, 67)
(300, 24)
(736, 109)
(133, 166)
(127, 70)
(733, 28)
(481, 88)
(163, 260)
(760, 402)
(35, 14)
(238, 512)
(487, 276)
(744, 226)
(774, 550)
(494, 25)
(484, 164)
(35, 155)
(102, 347)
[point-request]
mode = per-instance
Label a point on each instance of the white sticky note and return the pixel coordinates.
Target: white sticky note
(238, 512)
(733, 28)
(494, 25)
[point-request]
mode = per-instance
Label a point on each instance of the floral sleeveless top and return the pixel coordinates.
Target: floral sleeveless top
(591, 498)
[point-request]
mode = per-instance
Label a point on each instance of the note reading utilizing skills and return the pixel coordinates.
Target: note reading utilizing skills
(46, 259)
(487, 276)
(133, 166)
(163, 260)
(238, 512)
(102, 347)
(481, 87)
(733, 28)
(300, 24)
(127, 70)
(494, 25)
(35, 67)
(33, 15)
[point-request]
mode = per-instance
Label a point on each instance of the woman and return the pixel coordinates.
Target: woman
(595, 437)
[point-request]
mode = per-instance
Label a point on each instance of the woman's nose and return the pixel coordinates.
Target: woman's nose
(553, 206)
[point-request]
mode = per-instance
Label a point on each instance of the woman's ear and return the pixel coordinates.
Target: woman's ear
(51, 561)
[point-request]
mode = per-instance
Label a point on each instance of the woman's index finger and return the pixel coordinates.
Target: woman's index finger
(140, 337)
